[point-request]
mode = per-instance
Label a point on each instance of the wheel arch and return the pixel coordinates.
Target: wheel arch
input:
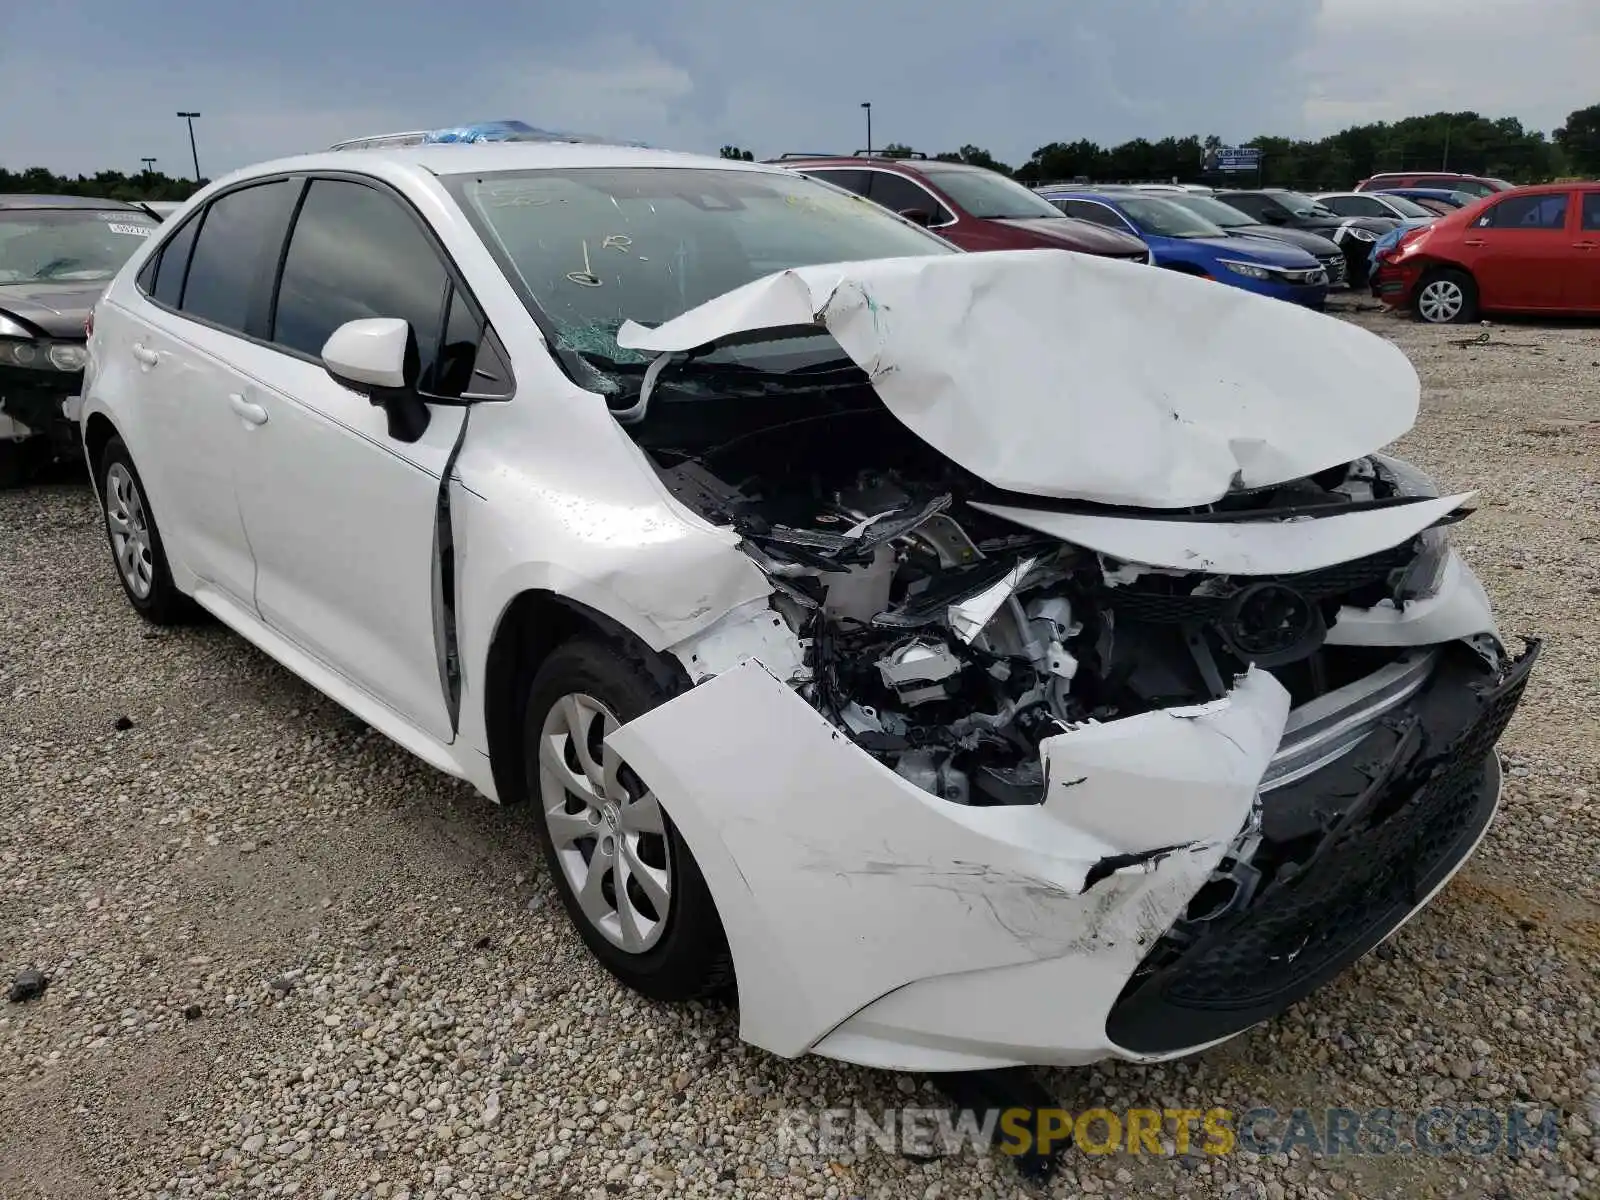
(531, 626)
(97, 434)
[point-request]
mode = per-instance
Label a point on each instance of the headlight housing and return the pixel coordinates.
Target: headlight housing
(1407, 479)
(20, 348)
(1422, 577)
(1362, 235)
(1248, 270)
(69, 356)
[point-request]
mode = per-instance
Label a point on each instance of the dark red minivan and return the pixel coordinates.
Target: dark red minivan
(973, 207)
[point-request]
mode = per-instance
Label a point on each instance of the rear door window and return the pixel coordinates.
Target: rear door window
(1357, 206)
(238, 243)
(850, 181)
(173, 264)
(899, 194)
(1591, 211)
(1088, 210)
(1546, 211)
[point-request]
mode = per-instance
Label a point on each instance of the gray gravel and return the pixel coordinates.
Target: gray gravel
(286, 958)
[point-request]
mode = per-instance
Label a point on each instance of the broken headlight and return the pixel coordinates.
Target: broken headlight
(1405, 478)
(1422, 577)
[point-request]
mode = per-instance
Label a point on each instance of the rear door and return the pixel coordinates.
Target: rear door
(201, 297)
(1519, 250)
(1585, 270)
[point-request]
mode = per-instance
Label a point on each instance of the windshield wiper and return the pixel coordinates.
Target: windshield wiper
(764, 379)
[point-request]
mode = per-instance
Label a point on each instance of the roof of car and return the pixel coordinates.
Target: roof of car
(466, 158)
(870, 160)
(25, 200)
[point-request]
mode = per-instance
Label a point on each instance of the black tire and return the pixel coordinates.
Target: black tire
(162, 603)
(689, 956)
(1443, 280)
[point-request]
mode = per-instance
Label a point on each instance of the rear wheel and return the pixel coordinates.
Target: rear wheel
(136, 548)
(1447, 297)
(628, 881)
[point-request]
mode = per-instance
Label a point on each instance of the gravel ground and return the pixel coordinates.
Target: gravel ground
(286, 958)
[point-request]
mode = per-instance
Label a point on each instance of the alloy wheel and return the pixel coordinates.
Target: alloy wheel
(130, 531)
(604, 824)
(1441, 301)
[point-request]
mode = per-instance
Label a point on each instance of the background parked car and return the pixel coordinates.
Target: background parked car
(1439, 201)
(1236, 222)
(1181, 241)
(160, 209)
(57, 253)
(1376, 204)
(1477, 185)
(1533, 249)
(1294, 210)
(975, 208)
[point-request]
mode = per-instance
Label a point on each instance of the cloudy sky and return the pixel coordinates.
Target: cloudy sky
(95, 83)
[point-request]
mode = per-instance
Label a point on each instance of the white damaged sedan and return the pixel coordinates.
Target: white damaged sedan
(974, 659)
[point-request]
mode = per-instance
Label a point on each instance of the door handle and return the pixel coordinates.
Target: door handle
(146, 356)
(1472, 241)
(254, 414)
(1586, 245)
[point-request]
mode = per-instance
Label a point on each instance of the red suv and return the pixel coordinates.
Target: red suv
(975, 208)
(1532, 250)
(1473, 185)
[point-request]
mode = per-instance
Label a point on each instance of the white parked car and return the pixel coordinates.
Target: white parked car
(976, 659)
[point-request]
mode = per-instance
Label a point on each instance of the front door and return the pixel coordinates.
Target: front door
(340, 512)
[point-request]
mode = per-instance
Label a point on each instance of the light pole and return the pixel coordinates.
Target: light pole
(149, 165)
(1444, 164)
(867, 104)
(189, 117)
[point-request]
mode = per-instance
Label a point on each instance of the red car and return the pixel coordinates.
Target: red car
(1531, 250)
(975, 208)
(1477, 185)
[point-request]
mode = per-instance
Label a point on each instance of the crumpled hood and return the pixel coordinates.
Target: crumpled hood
(1057, 374)
(57, 310)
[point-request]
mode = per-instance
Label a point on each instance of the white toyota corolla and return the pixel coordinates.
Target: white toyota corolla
(975, 659)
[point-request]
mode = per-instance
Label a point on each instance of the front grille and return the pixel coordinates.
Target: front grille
(1338, 580)
(1421, 815)
(1336, 268)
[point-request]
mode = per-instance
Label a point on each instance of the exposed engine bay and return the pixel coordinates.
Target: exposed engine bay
(948, 642)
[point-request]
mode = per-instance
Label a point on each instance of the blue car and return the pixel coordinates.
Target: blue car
(1179, 240)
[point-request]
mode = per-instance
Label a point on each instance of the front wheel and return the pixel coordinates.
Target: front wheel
(629, 883)
(1447, 297)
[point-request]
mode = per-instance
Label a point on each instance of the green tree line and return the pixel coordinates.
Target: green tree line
(110, 185)
(1461, 141)
(1457, 141)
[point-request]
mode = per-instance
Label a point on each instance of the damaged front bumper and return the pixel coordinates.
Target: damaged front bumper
(40, 403)
(1190, 873)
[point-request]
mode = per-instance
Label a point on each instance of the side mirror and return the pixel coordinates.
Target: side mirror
(369, 353)
(917, 215)
(377, 357)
